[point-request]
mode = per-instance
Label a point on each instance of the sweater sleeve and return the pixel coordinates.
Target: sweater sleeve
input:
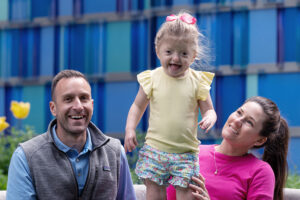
(262, 184)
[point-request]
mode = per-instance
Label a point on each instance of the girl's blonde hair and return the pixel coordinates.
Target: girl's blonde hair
(181, 28)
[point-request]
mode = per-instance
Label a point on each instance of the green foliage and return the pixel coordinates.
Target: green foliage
(8, 144)
(133, 157)
(293, 181)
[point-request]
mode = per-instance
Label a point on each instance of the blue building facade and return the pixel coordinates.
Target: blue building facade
(256, 45)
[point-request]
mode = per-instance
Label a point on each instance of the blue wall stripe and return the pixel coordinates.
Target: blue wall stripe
(2, 101)
(37, 115)
(4, 10)
(230, 95)
(283, 89)
(240, 38)
(118, 46)
(262, 36)
(47, 51)
(119, 96)
(252, 85)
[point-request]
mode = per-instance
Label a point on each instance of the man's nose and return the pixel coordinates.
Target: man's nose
(77, 104)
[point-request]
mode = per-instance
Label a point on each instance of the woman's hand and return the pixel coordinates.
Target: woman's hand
(199, 191)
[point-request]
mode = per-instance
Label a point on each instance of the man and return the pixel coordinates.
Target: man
(73, 159)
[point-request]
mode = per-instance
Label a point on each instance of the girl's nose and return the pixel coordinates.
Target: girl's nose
(175, 57)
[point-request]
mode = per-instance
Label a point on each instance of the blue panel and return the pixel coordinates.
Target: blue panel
(48, 115)
(208, 25)
(47, 51)
(293, 155)
(139, 38)
(230, 96)
(5, 56)
(4, 10)
(45, 8)
(2, 101)
(118, 45)
(224, 39)
(19, 10)
(64, 46)
(36, 117)
(252, 85)
(284, 90)
(119, 96)
(290, 26)
(15, 53)
(65, 8)
(12, 94)
(92, 45)
(28, 72)
(99, 95)
(1, 65)
(240, 39)
(77, 47)
(23, 60)
(183, 2)
(96, 6)
(263, 36)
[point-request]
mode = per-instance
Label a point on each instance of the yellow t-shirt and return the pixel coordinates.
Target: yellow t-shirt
(174, 108)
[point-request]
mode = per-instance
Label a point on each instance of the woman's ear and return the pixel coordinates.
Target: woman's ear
(260, 141)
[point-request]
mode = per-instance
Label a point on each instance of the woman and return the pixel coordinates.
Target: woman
(229, 171)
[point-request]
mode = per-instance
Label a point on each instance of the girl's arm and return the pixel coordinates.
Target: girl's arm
(208, 114)
(135, 114)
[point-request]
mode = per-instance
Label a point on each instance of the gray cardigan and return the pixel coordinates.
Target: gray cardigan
(52, 173)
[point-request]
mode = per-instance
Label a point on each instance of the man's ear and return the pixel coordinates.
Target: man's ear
(260, 141)
(52, 107)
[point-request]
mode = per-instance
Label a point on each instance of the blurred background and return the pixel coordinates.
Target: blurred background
(255, 45)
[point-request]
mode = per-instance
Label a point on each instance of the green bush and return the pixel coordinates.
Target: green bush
(8, 144)
(293, 181)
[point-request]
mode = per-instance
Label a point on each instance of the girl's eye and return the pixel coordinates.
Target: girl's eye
(168, 51)
(184, 53)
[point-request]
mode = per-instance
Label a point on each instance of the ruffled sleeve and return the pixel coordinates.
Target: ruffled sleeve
(205, 80)
(145, 80)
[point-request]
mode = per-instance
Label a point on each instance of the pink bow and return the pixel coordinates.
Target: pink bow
(185, 18)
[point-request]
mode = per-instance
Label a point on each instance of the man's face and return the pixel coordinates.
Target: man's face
(72, 106)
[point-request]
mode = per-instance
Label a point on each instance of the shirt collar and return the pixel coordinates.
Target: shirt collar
(61, 146)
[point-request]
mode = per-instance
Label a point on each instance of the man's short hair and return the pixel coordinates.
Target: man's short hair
(69, 73)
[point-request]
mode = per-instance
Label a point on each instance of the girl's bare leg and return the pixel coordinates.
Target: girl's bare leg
(155, 191)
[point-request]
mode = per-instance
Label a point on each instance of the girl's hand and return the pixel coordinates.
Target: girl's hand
(208, 120)
(130, 140)
(199, 191)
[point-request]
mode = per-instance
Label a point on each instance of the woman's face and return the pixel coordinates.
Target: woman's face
(243, 126)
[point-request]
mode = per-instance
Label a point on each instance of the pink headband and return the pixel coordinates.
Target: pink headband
(185, 18)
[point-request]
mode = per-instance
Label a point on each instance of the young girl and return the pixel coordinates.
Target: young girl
(175, 92)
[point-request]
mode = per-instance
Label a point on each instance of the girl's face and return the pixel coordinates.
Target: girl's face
(244, 125)
(176, 55)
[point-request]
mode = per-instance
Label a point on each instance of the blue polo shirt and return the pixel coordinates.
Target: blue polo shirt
(20, 186)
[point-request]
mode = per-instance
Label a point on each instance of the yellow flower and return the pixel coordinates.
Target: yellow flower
(3, 124)
(20, 110)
